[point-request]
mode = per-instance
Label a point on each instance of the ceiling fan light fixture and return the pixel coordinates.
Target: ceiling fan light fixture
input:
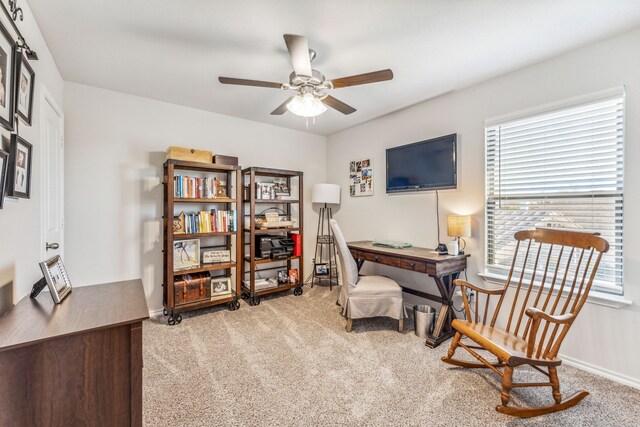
(306, 105)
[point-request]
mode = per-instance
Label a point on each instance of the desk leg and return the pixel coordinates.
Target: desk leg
(359, 263)
(442, 329)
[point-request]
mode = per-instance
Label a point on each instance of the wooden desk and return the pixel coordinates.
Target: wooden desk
(443, 268)
(75, 363)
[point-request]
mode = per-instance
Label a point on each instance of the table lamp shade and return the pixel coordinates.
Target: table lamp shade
(326, 193)
(459, 226)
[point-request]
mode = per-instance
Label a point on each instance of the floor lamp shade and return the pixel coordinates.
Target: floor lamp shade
(326, 193)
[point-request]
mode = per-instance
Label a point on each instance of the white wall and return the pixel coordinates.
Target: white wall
(115, 148)
(602, 337)
(20, 219)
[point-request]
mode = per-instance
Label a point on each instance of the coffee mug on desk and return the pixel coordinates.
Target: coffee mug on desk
(452, 247)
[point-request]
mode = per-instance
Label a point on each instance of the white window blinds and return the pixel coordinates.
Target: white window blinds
(558, 169)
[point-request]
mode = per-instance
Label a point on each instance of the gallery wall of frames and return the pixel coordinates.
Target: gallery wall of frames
(17, 83)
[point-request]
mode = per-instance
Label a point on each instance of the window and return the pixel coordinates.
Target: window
(560, 169)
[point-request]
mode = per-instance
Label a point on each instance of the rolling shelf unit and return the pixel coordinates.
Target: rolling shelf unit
(232, 240)
(252, 208)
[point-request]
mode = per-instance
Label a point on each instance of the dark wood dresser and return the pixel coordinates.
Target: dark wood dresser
(75, 363)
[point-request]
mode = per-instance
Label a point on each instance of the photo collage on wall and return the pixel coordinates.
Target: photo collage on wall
(361, 178)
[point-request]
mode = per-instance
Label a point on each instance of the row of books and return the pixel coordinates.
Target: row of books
(212, 221)
(190, 187)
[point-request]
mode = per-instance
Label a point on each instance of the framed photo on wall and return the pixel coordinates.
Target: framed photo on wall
(24, 88)
(7, 68)
(4, 169)
(19, 181)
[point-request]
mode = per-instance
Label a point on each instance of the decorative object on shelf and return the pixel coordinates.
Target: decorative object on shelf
(4, 169)
(280, 187)
(25, 78)
(220, 287)
(186, 254)
(56, 277)
(325, 259)
(178, 224)
(459, 226)
(191, 288)
(283, 277)
(210, 255)
(361, 178)
(219, 159)
(19, 181)
(189, 155)
(221, 190)
(7, 86)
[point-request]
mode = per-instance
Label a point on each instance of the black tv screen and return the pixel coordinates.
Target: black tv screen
(424, 165)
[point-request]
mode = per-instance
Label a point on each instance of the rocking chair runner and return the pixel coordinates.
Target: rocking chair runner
(563, 264)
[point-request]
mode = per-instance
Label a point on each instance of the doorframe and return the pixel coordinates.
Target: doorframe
(47, 98)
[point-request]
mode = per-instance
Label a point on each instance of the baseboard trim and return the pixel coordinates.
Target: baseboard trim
(620, 378)
(154, 313)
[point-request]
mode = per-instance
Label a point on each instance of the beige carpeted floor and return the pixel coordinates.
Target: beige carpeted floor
(290, 362)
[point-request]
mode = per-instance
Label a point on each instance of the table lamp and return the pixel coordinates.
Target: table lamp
(326, 194)
(459, 226)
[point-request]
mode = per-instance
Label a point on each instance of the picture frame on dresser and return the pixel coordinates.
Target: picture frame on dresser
(4, 169)
(57, 278)
(7, 71)
(25, 84)
(20, 164)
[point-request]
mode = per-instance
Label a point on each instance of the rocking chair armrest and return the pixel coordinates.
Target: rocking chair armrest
(465, 284)
(537, 315)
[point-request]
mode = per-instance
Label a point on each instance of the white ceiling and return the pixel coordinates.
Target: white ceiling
(174, 51)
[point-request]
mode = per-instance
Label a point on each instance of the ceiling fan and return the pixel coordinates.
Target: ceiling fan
(310, 84)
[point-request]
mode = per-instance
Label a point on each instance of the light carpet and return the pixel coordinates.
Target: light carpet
(289, 362)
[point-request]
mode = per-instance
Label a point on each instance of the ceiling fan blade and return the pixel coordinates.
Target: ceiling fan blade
(299, 51)
(336, 104)
(363, 79)
(282, 108)
(245, 82)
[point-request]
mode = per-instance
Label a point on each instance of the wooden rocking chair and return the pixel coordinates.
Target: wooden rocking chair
(563, 264)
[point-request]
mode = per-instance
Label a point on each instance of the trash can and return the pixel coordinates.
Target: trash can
(423, 316)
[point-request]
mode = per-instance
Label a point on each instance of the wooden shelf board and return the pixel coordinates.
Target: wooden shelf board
(272, 230)
(271, 172)
(268, 261)
(207, 267)
(273, 201)
(181, 236)
(192, 200)
(202, 304)
(205, 167)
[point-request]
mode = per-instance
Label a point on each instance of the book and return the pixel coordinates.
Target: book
(293, 276)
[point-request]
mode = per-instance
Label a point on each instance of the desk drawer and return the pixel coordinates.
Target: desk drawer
(393, 261)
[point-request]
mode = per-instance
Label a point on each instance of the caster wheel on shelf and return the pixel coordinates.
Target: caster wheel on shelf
(251, 301)
(165, 312)
(178, 319)
(256, 300)
(232, 306)
(237, 304)
(171, 321)
(297, 292)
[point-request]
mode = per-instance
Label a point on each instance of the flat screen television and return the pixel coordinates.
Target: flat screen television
(424, 165)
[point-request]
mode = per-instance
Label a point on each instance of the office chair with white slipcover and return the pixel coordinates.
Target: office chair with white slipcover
(365, 296)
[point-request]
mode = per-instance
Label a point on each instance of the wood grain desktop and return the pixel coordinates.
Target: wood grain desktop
(74, 363)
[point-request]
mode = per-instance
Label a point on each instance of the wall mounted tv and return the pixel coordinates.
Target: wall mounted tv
(422, 166)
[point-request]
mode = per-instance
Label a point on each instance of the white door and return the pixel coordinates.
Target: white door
(52, 177)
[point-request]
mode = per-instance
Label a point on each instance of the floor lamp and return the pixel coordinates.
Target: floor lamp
(325, 266)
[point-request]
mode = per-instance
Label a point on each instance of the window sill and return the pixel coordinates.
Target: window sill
(599, 298)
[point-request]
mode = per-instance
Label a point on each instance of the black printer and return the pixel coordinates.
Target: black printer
(270, 246)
